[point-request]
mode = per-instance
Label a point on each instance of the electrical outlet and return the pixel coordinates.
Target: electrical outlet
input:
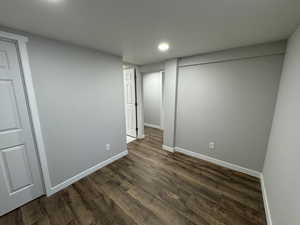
(107, 147)
(212, 145)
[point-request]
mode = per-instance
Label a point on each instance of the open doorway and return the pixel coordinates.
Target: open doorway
(153, 104)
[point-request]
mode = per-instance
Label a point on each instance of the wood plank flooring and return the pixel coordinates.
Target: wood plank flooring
(150, 187)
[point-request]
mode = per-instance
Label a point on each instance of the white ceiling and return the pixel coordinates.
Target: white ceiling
(133, 28)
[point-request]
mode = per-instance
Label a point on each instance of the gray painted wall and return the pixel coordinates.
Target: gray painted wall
(230, 101)
(271, 48)
(152, 96)
(81, 104)
(80, 99)
(282, 167)
(152, 68)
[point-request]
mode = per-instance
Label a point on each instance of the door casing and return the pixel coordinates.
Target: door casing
(21, 42)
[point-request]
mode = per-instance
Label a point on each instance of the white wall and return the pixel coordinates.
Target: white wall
(229, 99)
(152, 98)
(282, 167)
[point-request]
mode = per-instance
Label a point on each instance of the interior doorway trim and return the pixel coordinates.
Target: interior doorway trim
(21, 42)
(140, 104)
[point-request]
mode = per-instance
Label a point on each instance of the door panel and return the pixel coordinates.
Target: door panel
(20, 174)
(130, 100)
(16, 168)
(8, 113)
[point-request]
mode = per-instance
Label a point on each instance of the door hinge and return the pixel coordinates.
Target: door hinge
(136, 104)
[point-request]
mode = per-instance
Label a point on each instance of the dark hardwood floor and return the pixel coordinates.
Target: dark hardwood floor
(151, 186)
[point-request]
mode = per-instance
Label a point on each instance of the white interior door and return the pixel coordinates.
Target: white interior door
(20, 174)
(130, 101)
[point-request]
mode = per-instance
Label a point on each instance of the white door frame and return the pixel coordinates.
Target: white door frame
(29, 89)
(140, 106)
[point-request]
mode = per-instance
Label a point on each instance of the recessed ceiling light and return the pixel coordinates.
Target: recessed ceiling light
(164, 46)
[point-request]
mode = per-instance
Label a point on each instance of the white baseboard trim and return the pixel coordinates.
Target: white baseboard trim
(219, 162)
(167, 148)
(236, 168)
(85, 173)
(152, 125)
(265, 198)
